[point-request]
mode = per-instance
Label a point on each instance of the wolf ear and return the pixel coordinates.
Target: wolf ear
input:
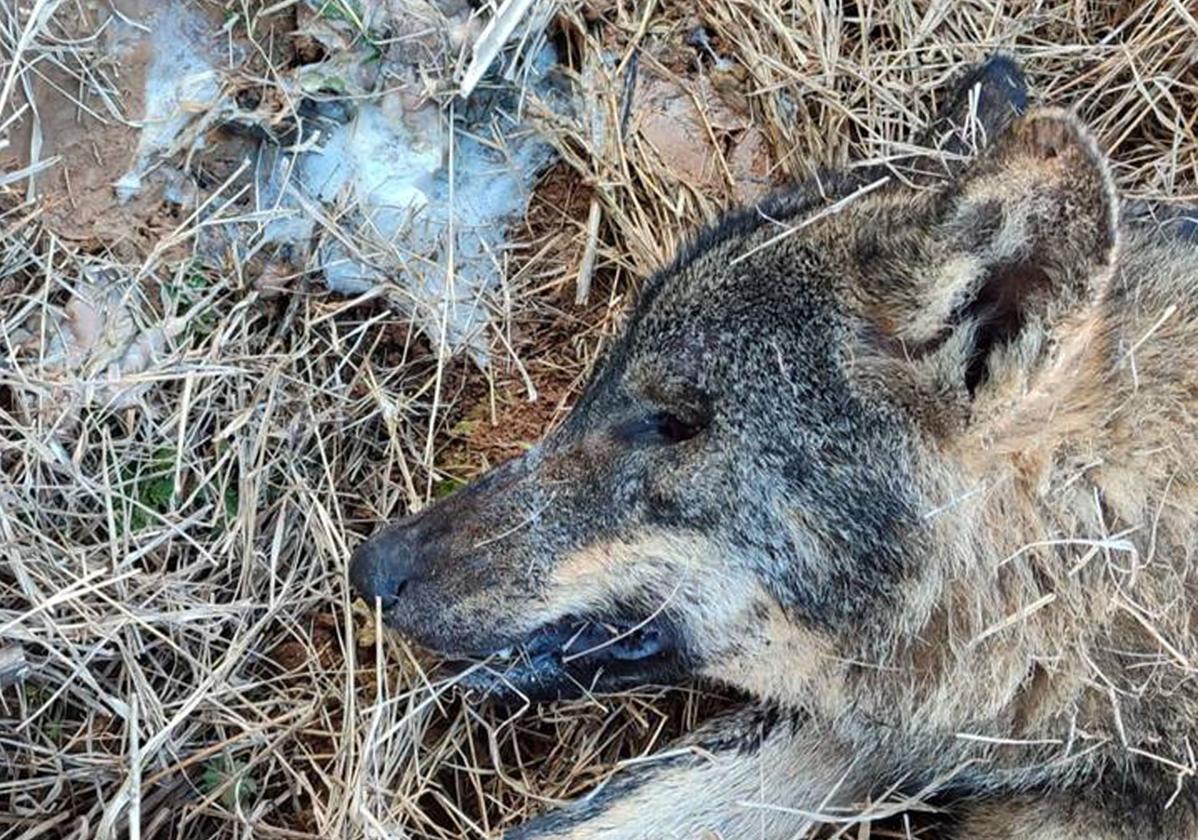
(1023, 239)
(981, 103)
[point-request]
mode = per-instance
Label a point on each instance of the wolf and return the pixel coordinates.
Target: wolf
(908, 456)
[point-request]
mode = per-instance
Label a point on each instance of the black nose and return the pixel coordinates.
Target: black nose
(382, 567)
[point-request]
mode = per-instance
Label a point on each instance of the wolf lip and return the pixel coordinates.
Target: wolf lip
(572, 656)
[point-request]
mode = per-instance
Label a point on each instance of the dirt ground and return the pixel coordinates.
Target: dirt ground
(195, 432)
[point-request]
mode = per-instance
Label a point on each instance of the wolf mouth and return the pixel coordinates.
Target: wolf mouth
(571, 657)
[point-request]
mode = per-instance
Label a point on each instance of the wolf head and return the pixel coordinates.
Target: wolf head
(743, 490)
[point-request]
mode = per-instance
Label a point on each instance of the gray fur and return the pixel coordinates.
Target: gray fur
(911, 462)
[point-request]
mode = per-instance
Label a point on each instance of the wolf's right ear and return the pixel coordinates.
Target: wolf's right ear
(1022, 240)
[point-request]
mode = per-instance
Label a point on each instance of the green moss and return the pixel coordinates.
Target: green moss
(447, 487)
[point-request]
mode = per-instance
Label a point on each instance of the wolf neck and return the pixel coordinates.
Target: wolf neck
(1120, 389)
(1143, 406)
(1083, 508)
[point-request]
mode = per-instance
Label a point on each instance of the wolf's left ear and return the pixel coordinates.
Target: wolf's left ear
(1024, 238)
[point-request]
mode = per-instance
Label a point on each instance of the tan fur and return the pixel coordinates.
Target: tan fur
(698, 794)
(675, 563)
(1081, 452)
(1055, 818)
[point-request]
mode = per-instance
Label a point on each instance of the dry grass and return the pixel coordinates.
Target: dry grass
(173, 562)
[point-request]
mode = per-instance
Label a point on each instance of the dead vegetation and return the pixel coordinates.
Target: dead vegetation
(194, 436)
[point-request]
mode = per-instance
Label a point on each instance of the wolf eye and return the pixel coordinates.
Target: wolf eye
(662, 427)
(674, 429)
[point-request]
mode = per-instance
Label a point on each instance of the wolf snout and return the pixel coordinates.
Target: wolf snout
(384, 565)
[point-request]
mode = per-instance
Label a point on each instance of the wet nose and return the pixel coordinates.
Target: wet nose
(382, 567)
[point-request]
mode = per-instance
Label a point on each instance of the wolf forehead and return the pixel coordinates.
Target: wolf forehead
(727, 293)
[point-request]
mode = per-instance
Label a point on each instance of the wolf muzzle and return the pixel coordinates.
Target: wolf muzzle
(383, 566)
